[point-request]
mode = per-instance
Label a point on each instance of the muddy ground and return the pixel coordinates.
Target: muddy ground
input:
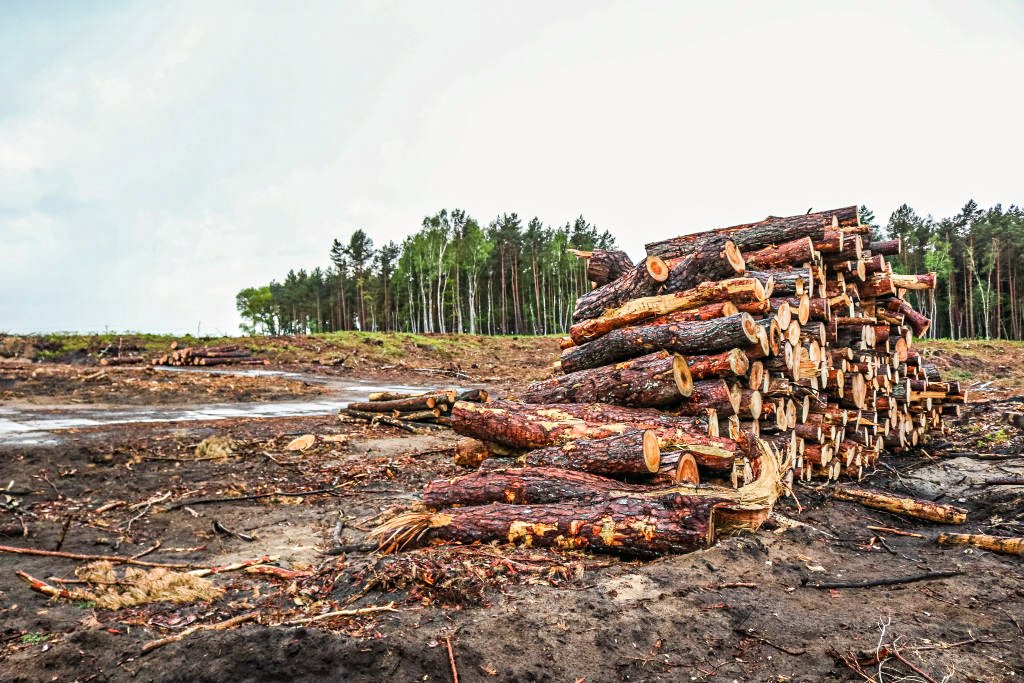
(742, 610)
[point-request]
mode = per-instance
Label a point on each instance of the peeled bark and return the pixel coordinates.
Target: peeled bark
(754, 236)
(707, 336)
(643, 280)
(657, 379)
(645, 308)
(903, 505)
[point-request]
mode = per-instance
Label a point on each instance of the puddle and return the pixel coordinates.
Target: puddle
(33, 425)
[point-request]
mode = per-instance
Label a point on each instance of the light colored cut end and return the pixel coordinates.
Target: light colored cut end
(681, 375)
(734, 257)
(657, 268)
(686, 471)
(652, 451)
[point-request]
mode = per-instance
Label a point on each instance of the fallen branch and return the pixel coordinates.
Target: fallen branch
(451, 659)
(390, 607)
(43, 587)
(254, 496)
(117, 559)
(902, 505)
(1005, 481)
(219, 626)
(887, 581)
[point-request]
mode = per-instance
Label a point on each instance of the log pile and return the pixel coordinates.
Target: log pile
(417, 413)
(229, 354)
(695, 387)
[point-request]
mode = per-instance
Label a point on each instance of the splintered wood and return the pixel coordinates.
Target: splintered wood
(693, 389)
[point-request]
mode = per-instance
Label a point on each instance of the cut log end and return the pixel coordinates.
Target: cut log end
(681, 375)
(652, 451)
(657, 268)
(686, 471)
(734, 257)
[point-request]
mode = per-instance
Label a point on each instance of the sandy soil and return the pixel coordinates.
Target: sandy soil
(743, 610)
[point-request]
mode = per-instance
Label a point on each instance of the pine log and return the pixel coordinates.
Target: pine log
(995, 544)
(522, 486)
(915, 282)
(629, 525)
(791, 282)
(712, 393)
(471, 452)
(528, 426)
(708, 336)
(478, 395)
(714, 260)
(645, 308)
(412, 403)
(643, 280)
(681, 468)
(731, 363)
(604, 266)
(657, 379)
(903, 505)
(722, 309)
(754, 236)
(918, 323)
(633, 452)
(886, 247)
(794, 253)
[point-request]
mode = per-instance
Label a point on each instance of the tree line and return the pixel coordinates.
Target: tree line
(978, 255)
(452, 275)
(510, 277)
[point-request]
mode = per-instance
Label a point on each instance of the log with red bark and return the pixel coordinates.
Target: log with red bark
(712, 393)
(657, 379)
(603, 265)
(754, 236)
(714, 260)
(633, 452)
(522, 486)
(708, 336)
(794, 253)
(643, 280)
(736, 290)
(918, 323)
(731, 363)
(528, 426)
(886, 247)
(413, 403)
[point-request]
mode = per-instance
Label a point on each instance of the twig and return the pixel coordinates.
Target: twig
(895, 532)
(117, 559)
(147, 551)
(895, 653)
(451, 659)
(750, 634)
(1004, 481)
(255, 496)
(219, 626)
(390, 607)
(146, 507)
(888, 581)
(64, 532)
(43, 587)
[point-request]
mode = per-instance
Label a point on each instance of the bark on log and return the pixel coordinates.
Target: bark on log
(643, 280)
(604, 266)
(721, 309)
(886, 247)
(645, 308)
(714, 260)
(402, 405)
(903, 505)
(731, 363)
(794, 253)
(792, 282)
(995, 544)
(754, 236)
(712, 393)
(522, 486)
(657, 379)
(529, 426)
(634, 452)
(471, 452)
(629, 525)
(918, 323)
(707, 336)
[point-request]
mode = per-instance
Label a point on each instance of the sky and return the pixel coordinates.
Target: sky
(157, 157)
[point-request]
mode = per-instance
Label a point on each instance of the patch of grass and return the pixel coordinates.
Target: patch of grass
(958, 374)
(33, 638)
(996, 438)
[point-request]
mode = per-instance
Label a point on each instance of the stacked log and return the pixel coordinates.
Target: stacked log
(206, 356)
(415, 412)
(751, 356)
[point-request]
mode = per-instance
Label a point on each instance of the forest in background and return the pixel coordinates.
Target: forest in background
(455, 275)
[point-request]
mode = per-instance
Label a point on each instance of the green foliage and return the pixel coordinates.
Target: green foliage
(34, 638)
(452, 275)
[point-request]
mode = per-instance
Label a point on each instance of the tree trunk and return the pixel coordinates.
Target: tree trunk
(794, 253)
(736, 290)
(657, 379)
(643, 280)
(709, 336)
(634, 452)
(754, 236)
(903, 505)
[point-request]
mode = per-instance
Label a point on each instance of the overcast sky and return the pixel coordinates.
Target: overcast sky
(156, 157)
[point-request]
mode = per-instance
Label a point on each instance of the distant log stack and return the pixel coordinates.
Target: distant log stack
(730, 363)
(203, 356)
(416, 412)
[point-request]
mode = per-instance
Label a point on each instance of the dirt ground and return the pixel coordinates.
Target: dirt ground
(743, 610)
